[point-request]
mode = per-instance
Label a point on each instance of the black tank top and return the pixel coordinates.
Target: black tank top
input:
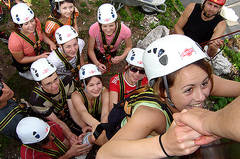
(198, 29)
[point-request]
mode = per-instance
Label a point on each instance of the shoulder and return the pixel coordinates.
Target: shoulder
(114, 79)
(192, 5)
(14, 40)
(35, 99)
(50, 26)
(149, 113)
(189, 8)
(94, 28)
(125, 29)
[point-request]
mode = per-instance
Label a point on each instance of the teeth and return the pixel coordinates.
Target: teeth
(197, 105)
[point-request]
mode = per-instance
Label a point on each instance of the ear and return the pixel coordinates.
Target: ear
(163, 97)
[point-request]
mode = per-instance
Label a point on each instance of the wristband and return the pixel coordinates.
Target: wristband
(160, 141)
(99, 129)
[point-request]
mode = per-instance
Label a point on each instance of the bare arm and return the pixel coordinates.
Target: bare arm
(224, 122)
(128, 43)
(178, 28)
(75, 116)
(92, 56)
(82, 111)
(49, 42)
(19, 57)
(91, 53)
(82, 59)
(130, 141)
(113, 99)
(105, 106)
(225, 88)
(214, 45)
(66, 131)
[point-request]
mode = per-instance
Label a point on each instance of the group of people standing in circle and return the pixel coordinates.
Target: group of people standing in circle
(70, 110)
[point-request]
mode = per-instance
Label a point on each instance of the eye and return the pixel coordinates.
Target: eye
(188, 90)
(205, 84)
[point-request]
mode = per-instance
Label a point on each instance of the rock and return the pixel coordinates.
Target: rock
(221, 65)
(158, 32)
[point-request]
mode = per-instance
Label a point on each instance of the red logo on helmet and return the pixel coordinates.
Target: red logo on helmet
(140, 62)
(187, 52)
(92, 72)
(26, 19)
(46, 129)
(69, 35)
(106, 20)
(45, 71)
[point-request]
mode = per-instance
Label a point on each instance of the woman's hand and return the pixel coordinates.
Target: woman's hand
(44, 55)
(102, 67)
(116, 59)
(52, 46)
(180, 140)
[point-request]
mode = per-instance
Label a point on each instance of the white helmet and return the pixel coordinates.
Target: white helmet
(59, 0)
(41, 69)
(106, 14)
(32, 130)
(88, 70)
(135, 57)
(65, 34)
(169, 54)
(21, 13)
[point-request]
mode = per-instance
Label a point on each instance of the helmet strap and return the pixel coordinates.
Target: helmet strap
(85, 86)
(169, 101)
(58, 7)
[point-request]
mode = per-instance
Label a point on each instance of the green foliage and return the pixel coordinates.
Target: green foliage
(124, 15)
(169, 18)
(41, 8)
(99, 2)
(83, 4)
(234, 57)
(220, 102)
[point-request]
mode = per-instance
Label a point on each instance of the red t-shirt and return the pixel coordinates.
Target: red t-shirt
(115, 86)
(28, 153)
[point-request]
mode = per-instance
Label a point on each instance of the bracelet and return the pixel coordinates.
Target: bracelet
(160, 141)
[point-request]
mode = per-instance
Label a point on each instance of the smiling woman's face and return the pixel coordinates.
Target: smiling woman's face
(191, 87)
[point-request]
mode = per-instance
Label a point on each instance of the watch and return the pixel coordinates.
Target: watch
(99, 129)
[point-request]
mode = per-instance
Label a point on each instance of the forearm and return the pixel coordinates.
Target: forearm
(93, 57)
(104, 118)
(225, 122)
(66, 131)
(140, 149)
(27, 59)
(87, 118)
(47, 40)
(178, 29)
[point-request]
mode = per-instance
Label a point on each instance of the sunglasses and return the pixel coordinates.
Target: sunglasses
(1, 87)
(134, 69)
